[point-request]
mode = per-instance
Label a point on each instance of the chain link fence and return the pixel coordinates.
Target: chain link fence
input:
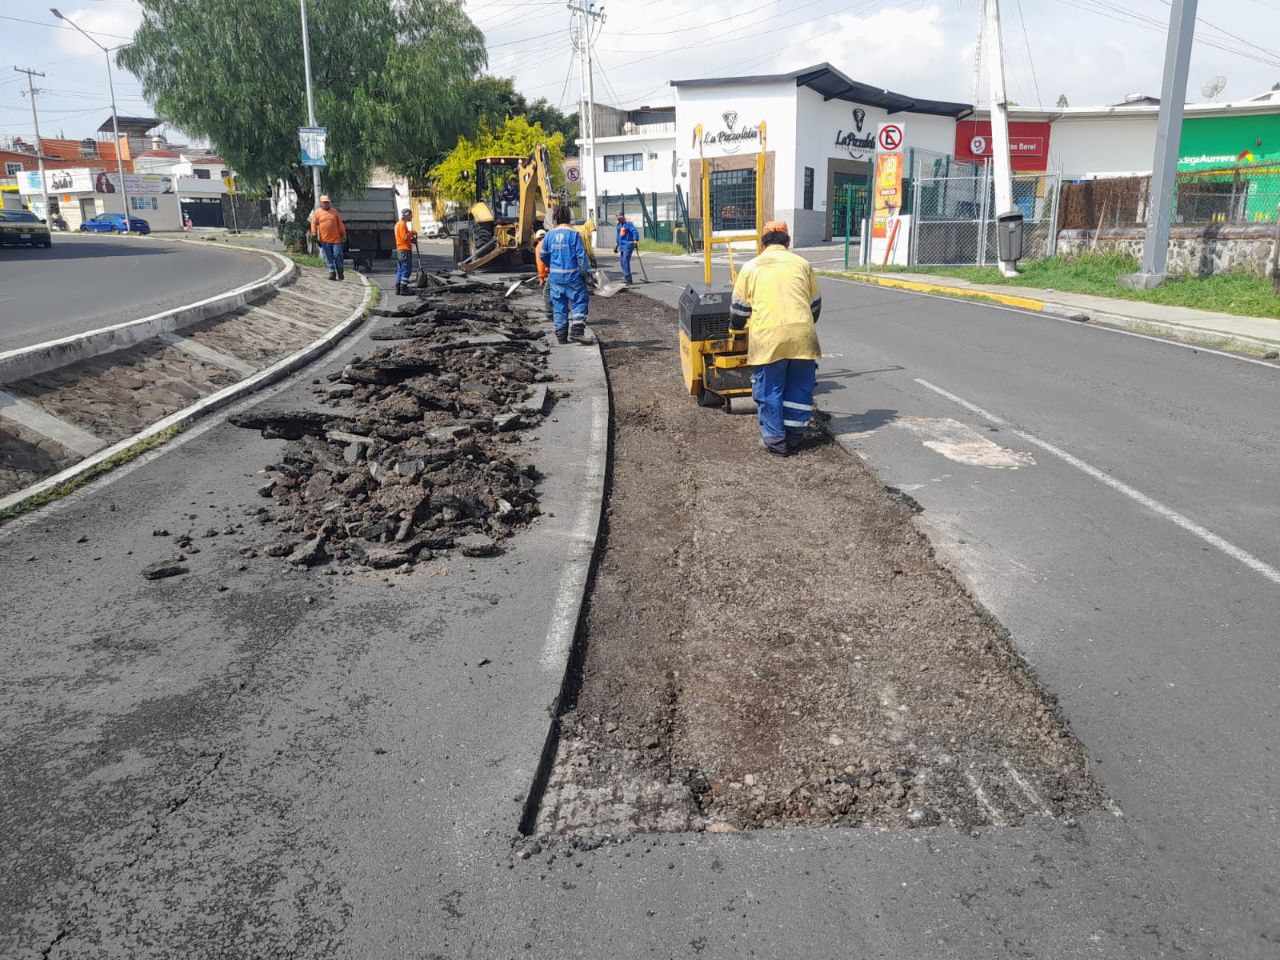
(954, 217)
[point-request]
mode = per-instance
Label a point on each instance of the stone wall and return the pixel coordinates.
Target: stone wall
(1200, 250)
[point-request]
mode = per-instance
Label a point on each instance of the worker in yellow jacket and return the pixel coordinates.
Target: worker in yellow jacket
(777, 299)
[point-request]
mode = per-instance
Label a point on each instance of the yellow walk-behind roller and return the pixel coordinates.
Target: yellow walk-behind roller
(713, 358)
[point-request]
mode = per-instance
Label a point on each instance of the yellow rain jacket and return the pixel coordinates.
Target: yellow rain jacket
(777, 298)
(586, 230)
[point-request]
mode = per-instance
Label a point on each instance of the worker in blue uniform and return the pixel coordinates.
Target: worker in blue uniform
(565, 257)
(628, 240)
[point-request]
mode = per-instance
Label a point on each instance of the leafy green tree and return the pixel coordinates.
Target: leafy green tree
(517, 137)
(391, 80)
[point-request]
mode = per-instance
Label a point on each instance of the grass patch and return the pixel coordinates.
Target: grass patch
(660, 246)
(1095, 273)
(307, 260)
(97, 470)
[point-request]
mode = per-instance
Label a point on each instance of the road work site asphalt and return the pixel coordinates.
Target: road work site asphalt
(87, 281)
(315, 766)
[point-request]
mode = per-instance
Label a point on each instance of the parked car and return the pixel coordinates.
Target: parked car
(114, 223)
(435, 231)
(23, 228)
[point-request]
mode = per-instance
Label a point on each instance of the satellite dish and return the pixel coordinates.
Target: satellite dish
(1213, 86)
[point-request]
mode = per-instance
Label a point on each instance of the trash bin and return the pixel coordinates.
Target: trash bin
(1009, 230)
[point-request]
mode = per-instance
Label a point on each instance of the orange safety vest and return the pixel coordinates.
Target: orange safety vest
(404, 236)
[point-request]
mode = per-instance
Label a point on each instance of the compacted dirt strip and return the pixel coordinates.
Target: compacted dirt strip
(772, 642)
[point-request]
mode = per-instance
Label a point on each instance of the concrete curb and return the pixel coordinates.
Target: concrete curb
(23, 362)
(563, 648)
(1063, 311)
(209, 404)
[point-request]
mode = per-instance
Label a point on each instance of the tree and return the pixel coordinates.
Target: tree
(517, 137)
(390, 79)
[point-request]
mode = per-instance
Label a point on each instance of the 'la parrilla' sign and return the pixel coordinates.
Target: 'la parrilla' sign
(859, 145)
(732, 137)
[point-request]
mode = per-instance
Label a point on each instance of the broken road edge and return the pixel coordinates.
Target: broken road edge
(60, 484)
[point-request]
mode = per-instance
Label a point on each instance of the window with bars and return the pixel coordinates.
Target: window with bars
(808, 188)
(733, 199)
(144, 203)
(623, 162)
(12, 169)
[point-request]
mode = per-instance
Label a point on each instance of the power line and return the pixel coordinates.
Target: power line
(1035, 81)
(58, 26)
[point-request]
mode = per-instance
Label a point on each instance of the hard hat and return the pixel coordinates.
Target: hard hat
(324, 198)
(538, 235)
(777, 226)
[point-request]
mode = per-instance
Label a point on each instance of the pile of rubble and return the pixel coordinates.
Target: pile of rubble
(412, 451)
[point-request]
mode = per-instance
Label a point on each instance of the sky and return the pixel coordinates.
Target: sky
(1093, 51)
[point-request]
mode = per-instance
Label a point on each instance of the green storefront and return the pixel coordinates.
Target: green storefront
(1231, 164)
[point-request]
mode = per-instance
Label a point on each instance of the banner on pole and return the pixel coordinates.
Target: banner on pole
(312, 140)
(888, 193)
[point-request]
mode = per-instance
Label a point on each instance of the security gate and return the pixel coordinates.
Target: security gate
(848, 209)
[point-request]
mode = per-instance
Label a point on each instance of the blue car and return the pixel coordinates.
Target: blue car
(114, 223)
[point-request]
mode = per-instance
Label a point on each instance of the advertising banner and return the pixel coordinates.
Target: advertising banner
(137, 184)
(887, 189)
(1028, 143)
(313, 141)
(74, 180)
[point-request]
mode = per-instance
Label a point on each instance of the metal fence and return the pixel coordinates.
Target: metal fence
(1236, 195)
(954, 217)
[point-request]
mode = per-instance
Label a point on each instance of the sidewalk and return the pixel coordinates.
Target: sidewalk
(1250, 334)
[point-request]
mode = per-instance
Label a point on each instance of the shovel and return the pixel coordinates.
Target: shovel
(515, 285)
(603, 287)
(640, 260)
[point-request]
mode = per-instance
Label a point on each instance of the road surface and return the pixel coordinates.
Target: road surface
(87, 281)
(196, 773)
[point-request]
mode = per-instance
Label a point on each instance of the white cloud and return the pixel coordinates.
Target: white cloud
(107, 25)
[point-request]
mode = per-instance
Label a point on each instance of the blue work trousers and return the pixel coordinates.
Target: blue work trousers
(332, 253)
(404, 266)
(568, 301)
(624, 252)
(783, 390)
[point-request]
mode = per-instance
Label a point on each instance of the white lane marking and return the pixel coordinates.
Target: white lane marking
(564, 611)
(208, 354)
(1098, 327)
(1155, 506)
(960, 442)
(1025, 786)
(67, 435)
(994, 815)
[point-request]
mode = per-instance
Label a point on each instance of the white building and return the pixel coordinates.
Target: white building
(84, 192)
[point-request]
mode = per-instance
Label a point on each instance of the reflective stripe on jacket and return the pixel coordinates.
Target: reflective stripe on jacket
(327, 225)
(777, 298)
(564, 254)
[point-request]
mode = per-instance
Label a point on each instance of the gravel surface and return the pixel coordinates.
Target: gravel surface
(773, 643)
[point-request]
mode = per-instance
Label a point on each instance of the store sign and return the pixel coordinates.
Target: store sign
(888, 192)
(859, 144)
(1028, 143)
(137, 184)
(732, 138)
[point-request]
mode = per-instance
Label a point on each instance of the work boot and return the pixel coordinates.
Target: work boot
(627, 281)
(778, 447)
(578, 331)
(562, 336)
(333, 275)
(341, 275)
(400, 290)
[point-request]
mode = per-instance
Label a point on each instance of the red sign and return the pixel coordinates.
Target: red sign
(889, 137)
(1028, 142)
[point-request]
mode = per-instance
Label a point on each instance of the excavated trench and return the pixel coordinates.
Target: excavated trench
(772, 643)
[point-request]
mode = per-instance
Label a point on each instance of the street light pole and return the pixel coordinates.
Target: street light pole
(1164, 169)
(311, 103)
(35, 119)
(115, 126)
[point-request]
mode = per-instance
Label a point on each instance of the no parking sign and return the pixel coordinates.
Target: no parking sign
(889, 137)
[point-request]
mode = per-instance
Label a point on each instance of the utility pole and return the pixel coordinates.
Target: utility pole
(311, 103)
(35, 119)
(1164, 169)
(587, 14)
(115, 126)
(1002, 167)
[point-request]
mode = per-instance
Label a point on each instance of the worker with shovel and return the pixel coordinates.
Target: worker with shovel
(628, 240)
(565, 257)
(777, 299)
(405, 235)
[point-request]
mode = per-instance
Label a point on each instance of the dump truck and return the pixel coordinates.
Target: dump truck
(513, 200)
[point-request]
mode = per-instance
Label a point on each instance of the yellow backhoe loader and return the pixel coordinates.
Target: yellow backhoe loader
(513, 199)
